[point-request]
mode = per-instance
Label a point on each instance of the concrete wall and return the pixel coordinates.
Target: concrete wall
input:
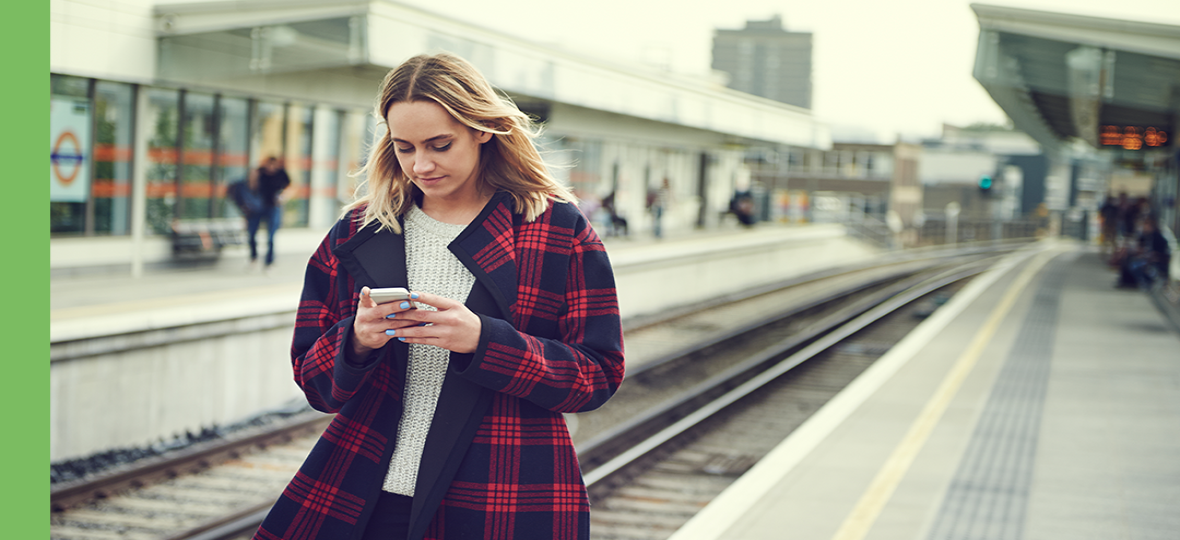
(155, 384)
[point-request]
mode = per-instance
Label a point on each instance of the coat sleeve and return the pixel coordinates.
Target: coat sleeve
(323, 331)
(580, 367)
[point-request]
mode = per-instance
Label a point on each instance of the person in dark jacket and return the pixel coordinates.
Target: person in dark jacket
(618, 223)
(1148, 262)
(449, 406)
(268, 181)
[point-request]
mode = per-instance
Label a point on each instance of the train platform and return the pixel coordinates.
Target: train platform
(1039, 402)
(84, 305)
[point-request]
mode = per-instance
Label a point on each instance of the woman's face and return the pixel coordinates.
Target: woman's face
(437, 153)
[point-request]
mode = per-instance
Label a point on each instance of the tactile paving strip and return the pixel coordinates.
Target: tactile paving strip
(988, 496)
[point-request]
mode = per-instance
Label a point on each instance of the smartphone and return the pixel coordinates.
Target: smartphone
(389, 294)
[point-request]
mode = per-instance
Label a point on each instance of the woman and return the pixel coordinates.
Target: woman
(449, 407)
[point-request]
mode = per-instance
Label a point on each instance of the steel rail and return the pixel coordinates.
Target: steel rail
(830, 338)
(591, 450)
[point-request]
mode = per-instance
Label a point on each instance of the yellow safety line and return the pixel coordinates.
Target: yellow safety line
(861, 519)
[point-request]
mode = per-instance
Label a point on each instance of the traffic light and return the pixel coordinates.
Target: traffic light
(985, 184)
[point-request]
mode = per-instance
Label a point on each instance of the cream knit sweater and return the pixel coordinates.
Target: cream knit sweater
(430, 267)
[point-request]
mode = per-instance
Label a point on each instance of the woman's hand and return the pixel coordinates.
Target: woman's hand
(373, 322)
(452, 327)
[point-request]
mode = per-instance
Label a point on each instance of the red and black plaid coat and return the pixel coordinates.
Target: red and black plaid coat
(498, 461)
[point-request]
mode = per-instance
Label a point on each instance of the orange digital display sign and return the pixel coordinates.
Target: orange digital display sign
(1132, 137)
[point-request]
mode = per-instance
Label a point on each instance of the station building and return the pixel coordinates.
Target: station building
(813, 185)
(156, 107)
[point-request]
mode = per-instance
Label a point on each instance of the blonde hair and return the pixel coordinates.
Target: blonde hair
(509, 161)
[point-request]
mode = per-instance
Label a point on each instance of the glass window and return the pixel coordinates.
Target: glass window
(197, 168)
(69, 153)
(63, 85)
(373, 129)
(163, 111)
(114, 108)
(298, 163)
(266, 134)
(357, 134)
(585, 176)
(328, 162)
(232, 163)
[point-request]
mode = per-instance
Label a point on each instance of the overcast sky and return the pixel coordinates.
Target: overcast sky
(880, 68)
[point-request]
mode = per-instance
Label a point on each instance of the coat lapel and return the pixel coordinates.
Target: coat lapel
(487, 248)
(374, 258)
(377, 258)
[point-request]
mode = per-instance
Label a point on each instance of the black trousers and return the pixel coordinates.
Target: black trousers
(391, 518)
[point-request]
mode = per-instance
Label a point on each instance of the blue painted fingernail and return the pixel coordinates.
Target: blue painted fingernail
(405, 305)
(402, 338)
(391, 315)
(390, 332)
(414, 295)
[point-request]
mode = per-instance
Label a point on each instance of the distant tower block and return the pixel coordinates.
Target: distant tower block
(766, 60)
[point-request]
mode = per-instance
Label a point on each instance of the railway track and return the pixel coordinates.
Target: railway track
(222, 492)
(190, 495)
(664, 476)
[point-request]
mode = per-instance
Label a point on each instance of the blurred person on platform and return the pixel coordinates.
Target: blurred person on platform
(618, 223)
(1109, 212)
(1147, 261)
(742, 207)
(1128, 217)
(268, 181)
(244, 194)
(1144, 212)
(657, 203)
(449, 406)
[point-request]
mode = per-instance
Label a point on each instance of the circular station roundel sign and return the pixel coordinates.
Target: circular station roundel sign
(66, 158)
(69, 144)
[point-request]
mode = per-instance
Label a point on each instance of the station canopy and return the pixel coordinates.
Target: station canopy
(1061, 77)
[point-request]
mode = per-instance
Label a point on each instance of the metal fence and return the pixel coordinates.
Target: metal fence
(941, 231)
(874, 225)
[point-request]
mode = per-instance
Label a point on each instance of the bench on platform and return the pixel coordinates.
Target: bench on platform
(206, 237)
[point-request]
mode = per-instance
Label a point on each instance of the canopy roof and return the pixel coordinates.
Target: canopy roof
(238, 41)
(1059, 77)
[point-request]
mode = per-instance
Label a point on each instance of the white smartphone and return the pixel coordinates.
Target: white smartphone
(389, 294)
